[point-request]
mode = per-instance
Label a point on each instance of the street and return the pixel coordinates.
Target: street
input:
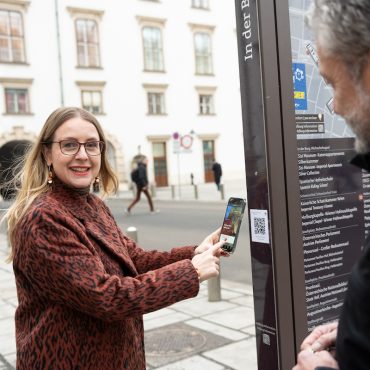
(183, 223)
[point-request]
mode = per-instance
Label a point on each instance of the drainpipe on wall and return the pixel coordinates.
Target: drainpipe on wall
(59, 54)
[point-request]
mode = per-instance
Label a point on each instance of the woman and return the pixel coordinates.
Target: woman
(83, 285)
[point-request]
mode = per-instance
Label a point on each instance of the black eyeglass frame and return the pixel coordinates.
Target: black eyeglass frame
(101, 146)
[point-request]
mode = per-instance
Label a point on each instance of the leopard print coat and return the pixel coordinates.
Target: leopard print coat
(83, 285)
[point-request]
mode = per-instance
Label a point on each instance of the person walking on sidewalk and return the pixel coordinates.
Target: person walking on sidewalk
(217, 173)
(342, 32)
(140, 178)
(82, 284)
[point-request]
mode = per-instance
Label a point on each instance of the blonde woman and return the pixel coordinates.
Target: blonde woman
(82, 284)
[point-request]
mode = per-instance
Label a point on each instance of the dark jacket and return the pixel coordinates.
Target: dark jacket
(83, 285)
(139, 176)
(353, 339)
(217, 170)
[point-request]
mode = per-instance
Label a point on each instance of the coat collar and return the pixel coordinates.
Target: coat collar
(362, 161)
(92, 213)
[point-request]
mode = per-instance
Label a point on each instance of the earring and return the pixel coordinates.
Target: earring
(50, 175)
(96, 185)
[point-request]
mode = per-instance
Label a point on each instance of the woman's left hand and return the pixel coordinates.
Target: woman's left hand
(210, 240)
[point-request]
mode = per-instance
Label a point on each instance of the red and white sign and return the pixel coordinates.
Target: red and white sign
(186, 141)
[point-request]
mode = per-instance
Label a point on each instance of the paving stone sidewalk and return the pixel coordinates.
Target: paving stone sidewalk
(192, 334)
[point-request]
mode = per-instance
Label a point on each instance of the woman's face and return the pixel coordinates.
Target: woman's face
(79, 170)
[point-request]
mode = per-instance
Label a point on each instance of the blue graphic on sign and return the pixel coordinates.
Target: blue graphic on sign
(299, 83)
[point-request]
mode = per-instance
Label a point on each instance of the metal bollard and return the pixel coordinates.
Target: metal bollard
(152, 190)
(173, 191)
(214, 289)
(222, 191)
(196, 191)
(131, 232)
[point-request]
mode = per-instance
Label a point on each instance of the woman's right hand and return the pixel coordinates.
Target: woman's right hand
(207, 263)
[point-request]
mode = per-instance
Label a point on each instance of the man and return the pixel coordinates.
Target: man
(342, 31)
(217, 173)
(140, 178)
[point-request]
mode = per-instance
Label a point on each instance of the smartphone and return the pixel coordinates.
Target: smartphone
(231, 225)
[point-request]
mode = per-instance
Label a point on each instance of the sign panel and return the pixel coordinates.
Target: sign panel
(308, 206)
(332, 193)
(299, 83)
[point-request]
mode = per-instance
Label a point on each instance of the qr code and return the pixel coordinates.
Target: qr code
(259, 226)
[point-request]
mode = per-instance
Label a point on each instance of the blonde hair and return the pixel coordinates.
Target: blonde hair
(31, 173)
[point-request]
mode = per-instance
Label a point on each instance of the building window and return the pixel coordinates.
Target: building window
(203, 53)
(16, 101)
(87, 43)
(206, 104)
(200, 4)
(11, 36)
(156, 103)
(153, 53)
(92, 101)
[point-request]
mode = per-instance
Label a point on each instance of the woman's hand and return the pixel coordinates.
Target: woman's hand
(322, 337)
(207, 263)
(208, 242)
(309, 360)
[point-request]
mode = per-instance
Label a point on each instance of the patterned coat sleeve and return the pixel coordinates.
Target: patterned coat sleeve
(58, 259)
(151, 260)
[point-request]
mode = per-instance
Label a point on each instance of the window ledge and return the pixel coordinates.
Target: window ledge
(153, 71)
(157, 114)
(18, 114)
(207, 114)
(200, 8)
(88, 67)
(15, 63)
(205, 74)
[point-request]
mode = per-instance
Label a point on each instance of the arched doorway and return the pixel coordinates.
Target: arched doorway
(10, 155)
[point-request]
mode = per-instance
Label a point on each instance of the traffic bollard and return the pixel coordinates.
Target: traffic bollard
(195, 191)
(152, 190)
(222, 191)
(214, 289)
(173, 191)
(131, 232)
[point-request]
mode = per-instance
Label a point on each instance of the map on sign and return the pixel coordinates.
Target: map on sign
(312, 95)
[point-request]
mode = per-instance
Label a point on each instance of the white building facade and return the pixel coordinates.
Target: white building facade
(160, 76)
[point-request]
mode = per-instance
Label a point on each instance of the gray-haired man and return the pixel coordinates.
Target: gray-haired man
(342, 32)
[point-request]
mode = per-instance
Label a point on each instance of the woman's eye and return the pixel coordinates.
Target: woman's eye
(70, 145)
(92, 145)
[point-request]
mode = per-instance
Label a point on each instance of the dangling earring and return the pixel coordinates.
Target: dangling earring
(50, 175)
(96, 185)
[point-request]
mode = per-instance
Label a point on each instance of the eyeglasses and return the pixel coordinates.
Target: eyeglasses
(72, 147)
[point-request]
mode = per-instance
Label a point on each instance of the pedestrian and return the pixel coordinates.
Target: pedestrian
(217, 173)
(83, 285)
(140, 178)
(342, 32)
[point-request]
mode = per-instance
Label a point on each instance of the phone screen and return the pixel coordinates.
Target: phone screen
(231, 225)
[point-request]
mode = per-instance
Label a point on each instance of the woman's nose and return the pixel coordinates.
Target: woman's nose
(81, 152)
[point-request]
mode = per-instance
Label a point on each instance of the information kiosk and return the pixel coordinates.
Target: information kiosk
(308, 207)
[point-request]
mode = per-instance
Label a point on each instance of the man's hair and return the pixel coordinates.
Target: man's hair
(342, 28)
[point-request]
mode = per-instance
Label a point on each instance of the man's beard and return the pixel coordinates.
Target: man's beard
(359, 121)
